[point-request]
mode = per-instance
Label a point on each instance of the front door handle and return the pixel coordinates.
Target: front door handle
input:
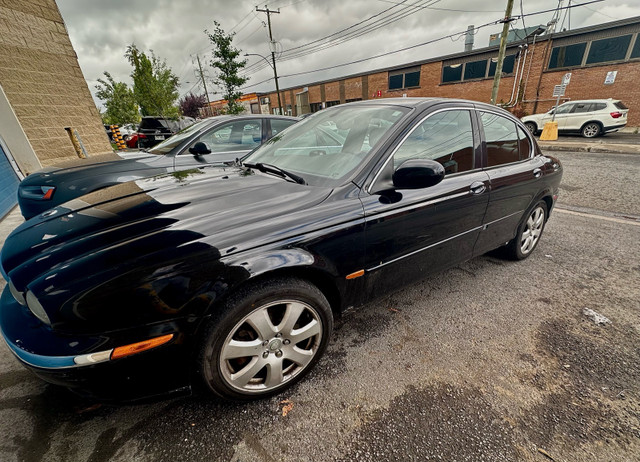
(537, 173)
(477, 187)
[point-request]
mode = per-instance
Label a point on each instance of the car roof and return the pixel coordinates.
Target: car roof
(607, 100)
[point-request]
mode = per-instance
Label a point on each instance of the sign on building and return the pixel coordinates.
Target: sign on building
(610, 78)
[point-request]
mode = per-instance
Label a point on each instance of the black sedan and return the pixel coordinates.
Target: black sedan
(232, 276)
(217, 139)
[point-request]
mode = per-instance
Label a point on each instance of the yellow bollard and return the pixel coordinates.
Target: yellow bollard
(550, 131)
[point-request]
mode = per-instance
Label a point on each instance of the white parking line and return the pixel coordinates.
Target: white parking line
(600, 217)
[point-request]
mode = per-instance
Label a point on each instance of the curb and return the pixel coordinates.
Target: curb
(596, 148)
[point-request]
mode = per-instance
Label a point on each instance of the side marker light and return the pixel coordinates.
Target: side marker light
(138, 347)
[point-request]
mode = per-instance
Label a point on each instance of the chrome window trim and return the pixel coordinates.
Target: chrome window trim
(415, 126)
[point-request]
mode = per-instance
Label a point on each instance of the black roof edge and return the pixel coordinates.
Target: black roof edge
(542, 38)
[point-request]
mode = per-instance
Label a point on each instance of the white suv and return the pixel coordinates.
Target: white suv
(590, 118)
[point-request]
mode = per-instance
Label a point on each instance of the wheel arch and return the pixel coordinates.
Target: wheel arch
(592, 122)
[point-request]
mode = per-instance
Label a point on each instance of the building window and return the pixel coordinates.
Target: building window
(404, 78)
(507, 65)
(609, 49)
(315, 107)
(352, 100)
(452, 73)
(331, 103)
(475, 70)
(567, 56)
(635, 53)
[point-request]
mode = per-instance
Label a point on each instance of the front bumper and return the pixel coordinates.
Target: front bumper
(50, 356)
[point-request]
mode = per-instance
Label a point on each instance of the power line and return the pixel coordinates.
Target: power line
(421, 44)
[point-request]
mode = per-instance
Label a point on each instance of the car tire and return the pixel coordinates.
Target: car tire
(591, 129)
(266, 338)
(532, 127)
(529, 233)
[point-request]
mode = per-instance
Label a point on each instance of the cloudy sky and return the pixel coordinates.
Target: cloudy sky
(101, 30)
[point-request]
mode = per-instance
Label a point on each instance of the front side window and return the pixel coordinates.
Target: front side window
(240, 135)
(445, 137)
(326, 148)
(277, 125)
(174, 141)
(501, 136)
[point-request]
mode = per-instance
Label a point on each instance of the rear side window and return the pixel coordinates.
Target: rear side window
(501, 136)
(598, 106)
(524, 144)
(445, 137)
(619, 105)
(582, 107)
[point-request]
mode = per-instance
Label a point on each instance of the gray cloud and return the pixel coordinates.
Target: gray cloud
(100, 32)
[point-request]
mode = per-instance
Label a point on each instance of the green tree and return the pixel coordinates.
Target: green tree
(154, 85)
(119, 101)
(225, 61)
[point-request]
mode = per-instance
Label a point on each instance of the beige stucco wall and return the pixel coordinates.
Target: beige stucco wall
(41, 77)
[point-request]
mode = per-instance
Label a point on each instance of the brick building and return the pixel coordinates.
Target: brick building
(532, 68)
(42, 91)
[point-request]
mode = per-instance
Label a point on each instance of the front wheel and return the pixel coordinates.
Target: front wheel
(591, 130)
(267, 337)
(529, 233)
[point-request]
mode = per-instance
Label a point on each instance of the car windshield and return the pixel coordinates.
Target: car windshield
(326, 148)
(172, 142)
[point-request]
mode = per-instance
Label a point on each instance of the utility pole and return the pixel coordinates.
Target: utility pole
(204, 84)
(273, 52)
(503, 48)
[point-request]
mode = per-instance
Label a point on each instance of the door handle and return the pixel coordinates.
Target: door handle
(537, 173)
(477, 187)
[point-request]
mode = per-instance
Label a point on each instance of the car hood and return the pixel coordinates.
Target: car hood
(228, 209)
(98, 165)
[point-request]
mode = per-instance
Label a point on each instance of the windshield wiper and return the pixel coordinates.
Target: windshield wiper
(275, 169)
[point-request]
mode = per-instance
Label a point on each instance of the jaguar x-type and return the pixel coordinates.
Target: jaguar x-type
(232, 276)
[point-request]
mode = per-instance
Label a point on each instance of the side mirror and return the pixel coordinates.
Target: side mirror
(199, 149)
(418, 174)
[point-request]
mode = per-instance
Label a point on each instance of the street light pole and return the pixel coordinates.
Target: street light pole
(273, 52)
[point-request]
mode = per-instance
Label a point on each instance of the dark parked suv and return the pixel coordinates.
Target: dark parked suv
(154, 129)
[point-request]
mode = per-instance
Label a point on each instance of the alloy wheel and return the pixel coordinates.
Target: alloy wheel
(532, 230)
(270, 346)
(591, 130)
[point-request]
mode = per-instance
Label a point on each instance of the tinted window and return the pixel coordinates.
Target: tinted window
(502, 139)
(240, 135)
(507, 65)
(412, 79)
(475, 70)
(452, 73)
(582, 107)
(445, 137)
(610, 49)
(619, 105)
(570, 55)
(395, 82)
(599, 106)
(524, 144)
(277, 125)
(152, 123)
(635, 53)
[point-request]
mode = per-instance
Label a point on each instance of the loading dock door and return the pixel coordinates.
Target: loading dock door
(8, 183)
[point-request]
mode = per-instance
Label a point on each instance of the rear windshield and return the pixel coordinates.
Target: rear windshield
(154, 124)
(620, 105)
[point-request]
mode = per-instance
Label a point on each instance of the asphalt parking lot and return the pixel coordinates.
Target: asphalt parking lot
(489, 361)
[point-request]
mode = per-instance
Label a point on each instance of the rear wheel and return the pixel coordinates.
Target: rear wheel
(529, 233)
(591, 130)
(266, 339)
(531, 127)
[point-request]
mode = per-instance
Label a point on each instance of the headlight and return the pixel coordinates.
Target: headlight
(37, 309)
(19, 296)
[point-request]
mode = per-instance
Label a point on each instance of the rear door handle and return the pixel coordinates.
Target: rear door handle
(477, 187)
(537, 173)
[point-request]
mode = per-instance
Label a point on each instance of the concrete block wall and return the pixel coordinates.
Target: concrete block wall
(41, 77)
